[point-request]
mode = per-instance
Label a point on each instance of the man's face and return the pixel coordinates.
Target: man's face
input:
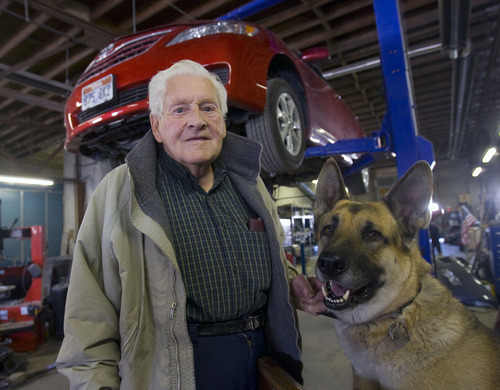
(192, 128)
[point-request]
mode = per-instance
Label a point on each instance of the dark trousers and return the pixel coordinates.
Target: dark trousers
(227, 362)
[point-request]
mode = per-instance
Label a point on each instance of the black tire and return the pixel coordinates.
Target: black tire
(280, 129)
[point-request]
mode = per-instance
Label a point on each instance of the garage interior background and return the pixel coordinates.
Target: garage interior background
(453, 54)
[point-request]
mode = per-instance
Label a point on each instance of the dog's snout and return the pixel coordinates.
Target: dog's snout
(332, 265)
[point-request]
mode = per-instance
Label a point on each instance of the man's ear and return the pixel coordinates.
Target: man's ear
(155, 126)
(224, 131)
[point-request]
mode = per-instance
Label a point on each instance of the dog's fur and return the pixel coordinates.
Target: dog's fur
(371, 249)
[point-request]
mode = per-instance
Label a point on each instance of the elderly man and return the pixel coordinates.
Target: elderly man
(179, 278)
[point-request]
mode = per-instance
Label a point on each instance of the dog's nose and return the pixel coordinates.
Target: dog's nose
(331, 265)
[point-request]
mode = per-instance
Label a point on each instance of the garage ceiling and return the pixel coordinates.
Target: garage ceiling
(46, 45)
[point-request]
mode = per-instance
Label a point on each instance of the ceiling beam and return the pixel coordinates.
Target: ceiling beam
(95, 36)
(25, 123)
(34, 80)
(33, 100)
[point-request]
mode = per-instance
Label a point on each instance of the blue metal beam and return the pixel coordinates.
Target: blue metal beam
(378, 142)
(249, 9)
(401, 110)
(401, 114)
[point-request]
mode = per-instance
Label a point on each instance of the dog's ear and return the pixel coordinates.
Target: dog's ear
(329, 189)
(410, 197)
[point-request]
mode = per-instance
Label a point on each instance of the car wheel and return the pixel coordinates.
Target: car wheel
(280, 129)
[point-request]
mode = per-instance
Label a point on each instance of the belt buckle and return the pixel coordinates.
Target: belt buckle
(252, 322)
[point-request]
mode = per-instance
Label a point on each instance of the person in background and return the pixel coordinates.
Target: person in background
(435, 235)
(179, 277)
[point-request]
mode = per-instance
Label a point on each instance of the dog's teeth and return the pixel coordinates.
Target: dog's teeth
(332, 298)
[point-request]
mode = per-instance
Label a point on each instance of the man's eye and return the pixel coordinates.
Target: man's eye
(179, 110)
(208, 108)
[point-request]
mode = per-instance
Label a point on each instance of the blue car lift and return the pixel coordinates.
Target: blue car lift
(399, 133)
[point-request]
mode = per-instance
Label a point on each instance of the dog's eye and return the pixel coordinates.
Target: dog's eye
(373, 234)
(327, 230)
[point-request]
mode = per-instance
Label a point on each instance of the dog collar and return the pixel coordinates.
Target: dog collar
(400, 310)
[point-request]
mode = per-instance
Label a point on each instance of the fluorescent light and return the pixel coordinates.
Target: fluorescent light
(433, 206)
(25, 180)
(477, 172)
(489, 155)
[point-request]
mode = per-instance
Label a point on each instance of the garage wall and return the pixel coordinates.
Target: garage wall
(31, 207)
(292, 195)
(454, 185)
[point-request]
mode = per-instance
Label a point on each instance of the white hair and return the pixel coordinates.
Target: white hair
(158, 84)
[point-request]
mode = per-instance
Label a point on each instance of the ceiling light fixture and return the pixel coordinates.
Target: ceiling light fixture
(489, 155)
(477, 171)
(25, 180)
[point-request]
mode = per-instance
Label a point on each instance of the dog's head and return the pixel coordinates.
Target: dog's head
(369, 258)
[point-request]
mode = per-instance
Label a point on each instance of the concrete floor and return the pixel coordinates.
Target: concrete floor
(325, 365)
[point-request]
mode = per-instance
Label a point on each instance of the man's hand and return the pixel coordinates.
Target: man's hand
(307, 295)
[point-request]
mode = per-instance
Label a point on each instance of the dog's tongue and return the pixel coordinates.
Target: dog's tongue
(338, 290)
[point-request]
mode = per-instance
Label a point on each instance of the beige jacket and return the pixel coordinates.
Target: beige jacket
(125, 321)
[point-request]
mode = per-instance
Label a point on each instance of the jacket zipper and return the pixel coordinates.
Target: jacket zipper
(131, 337)
(172, 334)
(172, 309)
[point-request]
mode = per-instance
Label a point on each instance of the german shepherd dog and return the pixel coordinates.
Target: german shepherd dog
(398, 325)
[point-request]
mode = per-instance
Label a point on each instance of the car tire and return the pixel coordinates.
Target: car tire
(280, 129)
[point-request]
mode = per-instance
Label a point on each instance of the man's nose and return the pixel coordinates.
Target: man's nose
(197, 118)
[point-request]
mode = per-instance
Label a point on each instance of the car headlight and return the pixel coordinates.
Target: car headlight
(222, 27)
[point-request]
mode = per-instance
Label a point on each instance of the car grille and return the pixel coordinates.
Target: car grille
(129, 96)
(122, 53)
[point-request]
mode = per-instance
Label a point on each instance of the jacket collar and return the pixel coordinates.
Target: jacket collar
(241, 156)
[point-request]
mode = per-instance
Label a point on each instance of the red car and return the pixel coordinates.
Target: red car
(274, 95)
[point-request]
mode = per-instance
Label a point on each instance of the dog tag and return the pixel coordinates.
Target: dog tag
(398, 333)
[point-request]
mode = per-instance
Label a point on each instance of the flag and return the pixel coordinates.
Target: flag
(467, 221)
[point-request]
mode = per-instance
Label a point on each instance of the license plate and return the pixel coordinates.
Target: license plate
(99, 92)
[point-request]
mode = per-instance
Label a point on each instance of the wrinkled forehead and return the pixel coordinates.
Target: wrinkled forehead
(190, 88)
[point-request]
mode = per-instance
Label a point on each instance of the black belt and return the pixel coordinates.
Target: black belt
(252, 322)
